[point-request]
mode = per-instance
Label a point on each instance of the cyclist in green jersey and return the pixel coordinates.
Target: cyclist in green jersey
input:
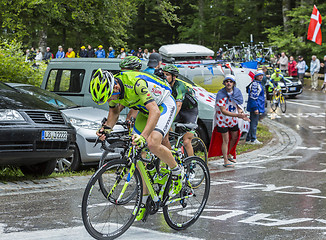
(187, 106)
(275, 79)
(152, 98)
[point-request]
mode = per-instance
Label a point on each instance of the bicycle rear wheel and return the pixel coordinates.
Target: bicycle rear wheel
(283, 104)
(103, 216)
(199, 148)
(182, 213)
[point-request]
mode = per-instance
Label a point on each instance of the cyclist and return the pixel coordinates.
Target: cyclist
(274, 85)
(152, 98)
(187, 106)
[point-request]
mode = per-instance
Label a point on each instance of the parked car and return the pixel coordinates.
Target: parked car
(33, 134)
(86, 120)
(70, 78)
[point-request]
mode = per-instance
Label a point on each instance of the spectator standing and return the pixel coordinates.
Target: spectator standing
(27, 55)
(90, 52)
(301, 67)
(83, 52)
(256, 106)
(70, 53)
(39, 55)
(32, 55)
(146, 54)
(154, 62)
(265, 77)
(48, 54)
(100, 53)
(140, 53)
(60, 53)
(292, 70)
(111, 52)
(219, 54)
(122, 54)
(132, 53)
(283, 62)
(314, 70)
(323, 87)
(226, 133)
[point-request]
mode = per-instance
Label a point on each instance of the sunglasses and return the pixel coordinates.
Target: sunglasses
(228, 81)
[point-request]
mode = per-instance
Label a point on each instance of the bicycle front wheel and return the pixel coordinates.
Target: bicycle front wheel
(103, 216)
(283, 104)
(184, 209)
(274, 103)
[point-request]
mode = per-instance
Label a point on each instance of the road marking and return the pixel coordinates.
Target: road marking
(303, 104)
(322, 152)
(306, 148)
(304, 170)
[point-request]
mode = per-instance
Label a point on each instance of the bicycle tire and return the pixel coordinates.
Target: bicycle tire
(274, 103)
(282, 104)
(180, 215)
(200, 149)
(103, 219)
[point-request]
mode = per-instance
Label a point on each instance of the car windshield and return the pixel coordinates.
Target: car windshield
(48, 97)
(6, 87)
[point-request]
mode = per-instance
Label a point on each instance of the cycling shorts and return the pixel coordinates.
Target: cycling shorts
(168, 110)
(187, 116)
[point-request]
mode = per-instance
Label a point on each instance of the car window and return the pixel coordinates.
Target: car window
(4, 86)
(65, 80)
(48, 97)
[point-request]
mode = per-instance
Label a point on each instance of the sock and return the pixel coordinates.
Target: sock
(176, 171)
(144, 199)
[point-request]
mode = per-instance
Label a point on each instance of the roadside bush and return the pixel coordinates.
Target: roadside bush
(13, 67)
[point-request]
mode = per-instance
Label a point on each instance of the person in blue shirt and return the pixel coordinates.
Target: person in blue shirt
(111, 52)
(60, 53)
(100, 53)
(255, 105)
(154, 62)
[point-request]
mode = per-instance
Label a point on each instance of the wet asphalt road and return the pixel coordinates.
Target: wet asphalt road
(276, 192)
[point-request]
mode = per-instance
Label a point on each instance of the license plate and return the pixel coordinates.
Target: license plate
(292, 88)
(54, 135)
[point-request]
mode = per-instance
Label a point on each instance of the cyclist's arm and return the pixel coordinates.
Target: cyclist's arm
(283, 80)
(113, 116)
(180, 96)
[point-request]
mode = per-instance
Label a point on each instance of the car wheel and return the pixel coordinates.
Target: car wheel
(70, 163)
(201, 133)
(40, 169)
(292, 96)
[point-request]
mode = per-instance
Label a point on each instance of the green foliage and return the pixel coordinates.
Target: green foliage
(13, 67)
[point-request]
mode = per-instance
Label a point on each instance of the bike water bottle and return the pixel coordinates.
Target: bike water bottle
(162, 176)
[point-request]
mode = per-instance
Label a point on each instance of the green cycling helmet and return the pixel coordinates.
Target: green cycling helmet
(101, 86)
(170, 68)
(130, 62)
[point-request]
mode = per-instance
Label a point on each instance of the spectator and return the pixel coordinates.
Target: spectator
(139, 53)
(122, 54)
(100, 53)
(219, 54)
(39, 55)
(111, 53)
(283, 62)
(70, 53)
(323, 87)
(32, 55)
(301, 67)
(132, 53)
(255, 105)
(146, 54)
(90, 52)
(27, 55)
(314, 70)
(60, 53)
(292, 70)
(226, 133)
(154, 62)
(47, 55)
(265, 77)
(153, 50)
(83, 52)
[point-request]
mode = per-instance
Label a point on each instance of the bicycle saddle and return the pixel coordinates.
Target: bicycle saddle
(187, 126)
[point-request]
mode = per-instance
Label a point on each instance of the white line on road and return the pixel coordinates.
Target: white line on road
(80, 233)
(308, 105)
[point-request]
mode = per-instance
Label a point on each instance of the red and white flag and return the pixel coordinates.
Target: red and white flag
(314, 32)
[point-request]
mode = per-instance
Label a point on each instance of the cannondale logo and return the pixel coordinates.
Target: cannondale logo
(48, 117)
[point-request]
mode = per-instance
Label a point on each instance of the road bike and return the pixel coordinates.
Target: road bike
(278, 100)
(112, 197)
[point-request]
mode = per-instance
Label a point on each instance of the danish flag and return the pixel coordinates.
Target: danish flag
(314, 32)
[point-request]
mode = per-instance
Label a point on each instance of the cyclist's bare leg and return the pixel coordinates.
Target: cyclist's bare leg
(187, 143)
(166, 141)
(154, 142)
(225, 145)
